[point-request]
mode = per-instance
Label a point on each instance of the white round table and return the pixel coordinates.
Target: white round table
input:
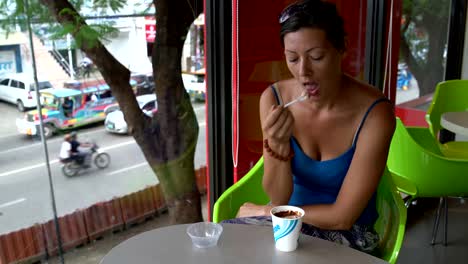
(456, 122)
(237, 244)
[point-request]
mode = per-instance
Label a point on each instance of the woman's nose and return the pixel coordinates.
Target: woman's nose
(304, 68)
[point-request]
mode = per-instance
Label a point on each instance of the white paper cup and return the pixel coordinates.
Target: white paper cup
(286, 230)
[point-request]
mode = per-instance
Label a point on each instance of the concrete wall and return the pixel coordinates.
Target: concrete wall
(47, 67)
(129, 46)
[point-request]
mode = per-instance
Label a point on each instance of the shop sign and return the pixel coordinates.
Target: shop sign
(150, 32)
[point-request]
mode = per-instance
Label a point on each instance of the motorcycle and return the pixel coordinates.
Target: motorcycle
(99, 158)
(403, 78)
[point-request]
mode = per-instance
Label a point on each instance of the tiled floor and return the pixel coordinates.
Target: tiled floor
(416, 247)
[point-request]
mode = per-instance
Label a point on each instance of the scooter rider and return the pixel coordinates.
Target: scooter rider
(65, 149)
(81, 157)
(86, 64)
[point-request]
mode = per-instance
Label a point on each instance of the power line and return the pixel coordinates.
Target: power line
(38, 21)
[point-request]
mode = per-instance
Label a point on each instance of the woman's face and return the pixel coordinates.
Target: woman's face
(313, 61)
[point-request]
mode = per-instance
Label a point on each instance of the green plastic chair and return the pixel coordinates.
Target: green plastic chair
(450, 96)
(420, 169)
(247, 189)
(392, 212)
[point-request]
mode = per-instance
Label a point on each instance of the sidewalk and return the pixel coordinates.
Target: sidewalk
(93, 252)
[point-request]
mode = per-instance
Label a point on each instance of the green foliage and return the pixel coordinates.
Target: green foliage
(419, 17)
(13, 13)
(92, 34)
(420, 8)
(424, 37)
(114, 5)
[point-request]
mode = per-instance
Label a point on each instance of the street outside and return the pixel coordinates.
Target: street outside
(406, 95)
(24, 187)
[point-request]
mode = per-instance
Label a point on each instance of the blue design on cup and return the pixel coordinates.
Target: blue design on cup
(288, 228)
(276, 228)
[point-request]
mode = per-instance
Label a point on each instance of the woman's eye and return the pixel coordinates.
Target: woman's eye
(292, 59)
(317, 58)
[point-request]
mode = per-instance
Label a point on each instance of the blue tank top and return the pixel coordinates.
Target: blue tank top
(318, 182)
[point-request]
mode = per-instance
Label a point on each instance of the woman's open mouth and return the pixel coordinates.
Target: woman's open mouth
(312, 88)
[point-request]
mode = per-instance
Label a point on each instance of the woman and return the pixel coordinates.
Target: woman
(326, 153)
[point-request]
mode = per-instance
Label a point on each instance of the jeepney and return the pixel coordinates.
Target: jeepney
(65, 108)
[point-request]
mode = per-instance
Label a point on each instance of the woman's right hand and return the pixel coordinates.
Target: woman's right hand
(278, 125)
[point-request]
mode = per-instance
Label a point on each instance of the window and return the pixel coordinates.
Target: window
(42, 85)
(149, 106)
(105, 94)
(5, 82)
(14, 84)
(49, 102)
(423, 50)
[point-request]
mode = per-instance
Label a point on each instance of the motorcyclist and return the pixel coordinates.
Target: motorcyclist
(86, 64)
(65, 149)
(82, 157)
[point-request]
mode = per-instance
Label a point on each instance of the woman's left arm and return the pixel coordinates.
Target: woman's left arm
(363, 176)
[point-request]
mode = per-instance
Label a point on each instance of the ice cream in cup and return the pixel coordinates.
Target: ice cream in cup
(287, 223)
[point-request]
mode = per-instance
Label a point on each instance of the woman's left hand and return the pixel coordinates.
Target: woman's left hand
(250, 209)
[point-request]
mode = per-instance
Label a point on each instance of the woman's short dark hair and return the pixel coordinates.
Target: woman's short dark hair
(314, 14)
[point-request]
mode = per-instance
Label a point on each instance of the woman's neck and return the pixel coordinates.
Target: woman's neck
(333, 96)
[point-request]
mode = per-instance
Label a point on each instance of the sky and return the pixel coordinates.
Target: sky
(131, 7)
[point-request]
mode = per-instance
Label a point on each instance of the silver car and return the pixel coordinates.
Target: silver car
(115, 122)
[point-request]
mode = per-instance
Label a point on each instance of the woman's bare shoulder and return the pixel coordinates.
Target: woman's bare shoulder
(364, 93)
(281, 87)
(366, 96)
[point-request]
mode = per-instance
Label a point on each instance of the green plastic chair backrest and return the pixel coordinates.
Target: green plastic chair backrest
(392, 212)
(247, 189)
(392, 218)
(419, 168)
(449, 96)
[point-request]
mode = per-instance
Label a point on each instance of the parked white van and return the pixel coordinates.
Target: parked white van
(19, 89)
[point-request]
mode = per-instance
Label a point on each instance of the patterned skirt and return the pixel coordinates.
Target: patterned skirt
(360, 237)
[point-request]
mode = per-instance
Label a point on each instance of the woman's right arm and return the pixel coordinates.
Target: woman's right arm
(277, 124)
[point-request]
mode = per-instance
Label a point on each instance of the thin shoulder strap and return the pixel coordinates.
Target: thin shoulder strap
(383, 99)
(277, 94)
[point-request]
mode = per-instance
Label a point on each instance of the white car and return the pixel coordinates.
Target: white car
(20, 89)
(115, 122)
(195, 86)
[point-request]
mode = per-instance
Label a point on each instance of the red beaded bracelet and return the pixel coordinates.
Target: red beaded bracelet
(276, 155)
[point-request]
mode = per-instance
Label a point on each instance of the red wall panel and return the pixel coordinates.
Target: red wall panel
(261, 63)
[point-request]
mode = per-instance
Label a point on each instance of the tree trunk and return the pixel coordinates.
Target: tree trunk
(176, 177)
(177, 122)
(430, 71)
(168, 139)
